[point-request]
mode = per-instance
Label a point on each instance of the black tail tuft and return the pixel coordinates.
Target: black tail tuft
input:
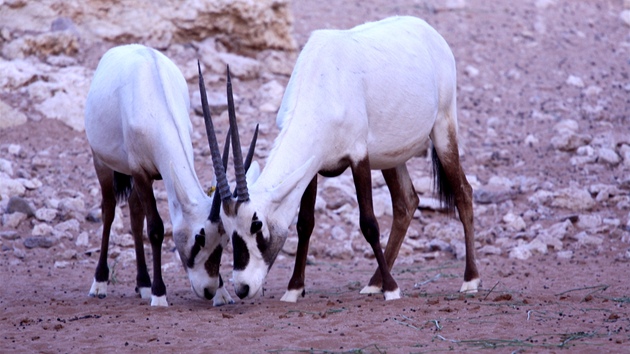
(122, 186)
(441, 184)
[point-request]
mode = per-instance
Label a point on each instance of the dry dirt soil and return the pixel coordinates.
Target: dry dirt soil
(523, 53)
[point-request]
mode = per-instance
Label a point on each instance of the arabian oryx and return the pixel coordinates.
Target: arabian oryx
(365, 98)
(137, 124)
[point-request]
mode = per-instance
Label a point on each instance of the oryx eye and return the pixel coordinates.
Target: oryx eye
(200, 239)
(256, 225)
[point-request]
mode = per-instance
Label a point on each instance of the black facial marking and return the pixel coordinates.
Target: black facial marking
(214, 262)
(261, 243)
(256, 225)
(200, 241)
(241, 254)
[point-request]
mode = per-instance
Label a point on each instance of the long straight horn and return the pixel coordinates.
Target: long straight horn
(222, 184)
(215, 215)
(241, 183)
(250, 153)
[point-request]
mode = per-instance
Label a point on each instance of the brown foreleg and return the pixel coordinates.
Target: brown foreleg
(305, 225)
(369, 225)
(155, 228)
(136, 215)
(404, 203)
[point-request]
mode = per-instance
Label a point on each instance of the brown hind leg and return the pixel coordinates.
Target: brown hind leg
(305, 225)
(404, 203)
(136, 214)
(108, 210)
(155, 228)
(450, 169)
(369, 226)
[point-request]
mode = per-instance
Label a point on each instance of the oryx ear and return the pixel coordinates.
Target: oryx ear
(252, 173)
(290, 183)
(180, 192)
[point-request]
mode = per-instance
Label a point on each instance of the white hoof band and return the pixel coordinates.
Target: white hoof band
(144, 293)
(371, 289)
(98, 289)
(222, 297)
(392, 295)
(291, 295)
(159, 301)
(471, 286)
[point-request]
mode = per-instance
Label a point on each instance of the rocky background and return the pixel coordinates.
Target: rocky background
(543, 121)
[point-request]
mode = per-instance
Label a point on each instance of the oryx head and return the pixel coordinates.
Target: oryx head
(253, 251)
(200, 238)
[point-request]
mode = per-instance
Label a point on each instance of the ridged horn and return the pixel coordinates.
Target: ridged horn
(239, 169)
(222, 184)
(215, 215)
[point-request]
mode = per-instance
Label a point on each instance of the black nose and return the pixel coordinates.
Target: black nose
(207, 294)
(242, 291)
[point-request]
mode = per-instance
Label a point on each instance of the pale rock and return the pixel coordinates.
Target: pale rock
(584, 239)
(500, 182)
(558, 230)
(16, 73)
(122, 240)
(573, 198)
(10, 187)
(241, 67)
(625, 17)
(6, 167)
(471, 71)
(68, 225)
(569, 141)
(449, 5)
(277, 62)
(9, 117)
(66, 107)
(423, 185)
(624, 151)
(19, 253)
(544, 241)
(614, 222)
(61, 264)
(43, 45)
(76, 204)
(566, 254)
(592, 90)
(492, 194)
(588, 221)
(10, 235)
(586, 150)
(42, 229)
(604, 192)
(83, 239)
(531, 140)
(290, 246)
(608, 156)
(15, 149)
(13, 220)
(439, 245)
(520, 252)
(46, 214)
(566, 126)
(490, 250)
(382, 205)
(575, 81)
(271, 94)
(514, 222)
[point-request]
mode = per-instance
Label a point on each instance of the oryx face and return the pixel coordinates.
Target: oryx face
(255, 247)
(201, 257)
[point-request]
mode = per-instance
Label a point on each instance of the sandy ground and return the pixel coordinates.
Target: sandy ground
(524, 54)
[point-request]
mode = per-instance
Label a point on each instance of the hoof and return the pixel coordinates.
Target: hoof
(371, 289)
(392, 295)
(222, 297)
(470, 286)
(145, 293)
(98, 289)
(159, 301)
(292, 295)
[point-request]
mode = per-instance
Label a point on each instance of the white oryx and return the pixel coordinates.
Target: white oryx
(137, 124)
(365, 98)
